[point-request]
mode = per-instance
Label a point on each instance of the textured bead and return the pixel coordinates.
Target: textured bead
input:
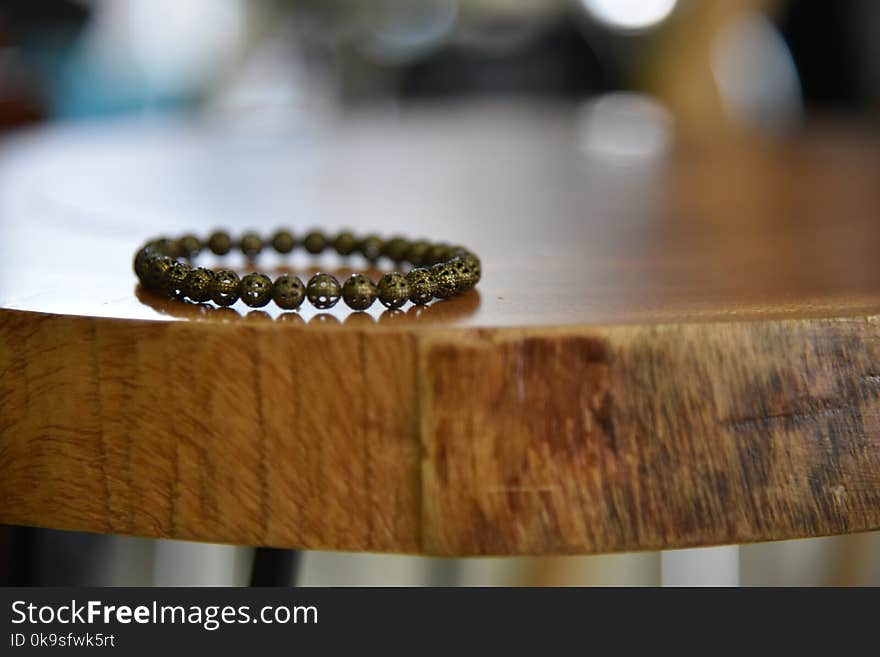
(395, 249)
(437, 253)
(418, 252)
(288, 292)
(445, 280)
(157, 268)
(359, 292)
(224, 287)
(283, 241)
(473, 263)
(393, 290)
(219, 242)
(250, 244)
(175, 277)
(345, 243)
(323, 291)
(255, 290)
(371, 247)
(467, 276)
(315, 242)
(142, 264)
(198, 284)
(189, 246)
(421, 286)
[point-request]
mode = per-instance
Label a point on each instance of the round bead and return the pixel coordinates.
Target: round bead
(421, 286)
(157, 268)
(283, 241)
(224, 287)
(288, 292)
(445, 280)
(437, 253)
(393, 290)
(142, 264)
(418, 252)
(219, 242)
(315, 242)
(175, 277)
(189, 246)
(395, 249)
(256, 290)
(323, 291)
(472, 261)
(372, 247)
(345, 243)
(198, 284)
(467, 275)
(251, 244)
(359, 292)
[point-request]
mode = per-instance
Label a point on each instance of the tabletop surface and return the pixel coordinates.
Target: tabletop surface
(670, 346)
(571, 229)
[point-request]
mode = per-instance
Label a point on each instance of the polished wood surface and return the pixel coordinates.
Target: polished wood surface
(668, 348)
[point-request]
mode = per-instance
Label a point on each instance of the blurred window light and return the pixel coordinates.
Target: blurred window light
(625, 128)
(756, 75)
(630, 15)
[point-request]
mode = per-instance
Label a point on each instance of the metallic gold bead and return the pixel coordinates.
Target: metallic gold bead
(393, 290)
(255, 290)
(359, 292)
(219, 242)
(224, 287)
(421, 286)
(445, 280)
(395, 249)
(189, 246)
(417, 253)
(175, 277)
(288, 292)
(142, 263)
(345, 243)
(437, 253)
(157, 267)
(198, 284)
(283, 241)
(315, 242)
(467, 276)
(251, 244)
(371, 247)
(323, 291)
(473, 263)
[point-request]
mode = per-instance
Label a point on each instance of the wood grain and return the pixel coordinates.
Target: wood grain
(670, 353)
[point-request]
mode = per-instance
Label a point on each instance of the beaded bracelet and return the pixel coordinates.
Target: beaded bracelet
(438, 271)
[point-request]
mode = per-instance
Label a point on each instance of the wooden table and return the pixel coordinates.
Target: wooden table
(667, 348)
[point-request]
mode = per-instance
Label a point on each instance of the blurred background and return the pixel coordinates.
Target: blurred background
(644, 76)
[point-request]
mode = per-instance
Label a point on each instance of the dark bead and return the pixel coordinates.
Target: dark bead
(220, 243)
(283, 241)
(162, 246)
(345, 243)
(315, 242)
(473, 263)
(157, 268)
(421, 286)
(250, 244)
(189, 246)
(323, 291)
(467, 276)
(445, 280)
(198, 285)
(395, 249)
(393, 290)
(175, 277)
(142, 263)
(359, 292)
(437, 253)
(418, 252)
(224, 287)
(255, 290)
(288, 292)
(371, 247)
